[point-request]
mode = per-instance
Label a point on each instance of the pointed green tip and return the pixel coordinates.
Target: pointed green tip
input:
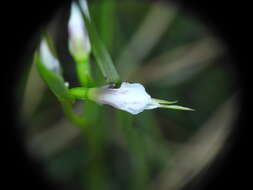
(189, 109)
(176, 107)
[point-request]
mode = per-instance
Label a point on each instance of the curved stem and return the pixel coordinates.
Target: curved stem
(72, 116)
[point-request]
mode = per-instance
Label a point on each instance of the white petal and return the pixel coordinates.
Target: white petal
(130, 97)
(152, 105)
(77, 33)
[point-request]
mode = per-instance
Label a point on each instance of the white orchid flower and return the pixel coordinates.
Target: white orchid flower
(79, 42)
(48, 59)
(130, 97)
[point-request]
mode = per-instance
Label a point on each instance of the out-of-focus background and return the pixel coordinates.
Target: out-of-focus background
(176, 57)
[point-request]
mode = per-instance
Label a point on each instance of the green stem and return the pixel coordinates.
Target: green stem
(79, 93)
(72, 116)
(84, 72)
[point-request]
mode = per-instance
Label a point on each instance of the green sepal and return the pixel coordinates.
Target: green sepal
(176, 107)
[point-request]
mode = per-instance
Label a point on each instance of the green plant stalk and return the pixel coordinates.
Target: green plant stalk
(56, 84)
(66, 101)
(85, 79)
(84, 72)
(79, 93)
(54, 81)
(71, 115)
(137, 160)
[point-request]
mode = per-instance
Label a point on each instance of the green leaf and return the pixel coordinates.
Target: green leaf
(54, 81)
(100, 52)
(107, 20)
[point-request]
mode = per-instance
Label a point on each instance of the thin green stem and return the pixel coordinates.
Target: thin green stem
(84, 72)
(79, 93)
(72, 116)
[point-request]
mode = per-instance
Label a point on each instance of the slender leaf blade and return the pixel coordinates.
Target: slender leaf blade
(100, 52)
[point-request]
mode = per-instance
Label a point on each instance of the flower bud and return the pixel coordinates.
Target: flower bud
(48, 59)
(79, 43)
(50, 71)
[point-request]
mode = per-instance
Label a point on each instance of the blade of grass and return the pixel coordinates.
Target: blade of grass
(101, 54)
(107, 22)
